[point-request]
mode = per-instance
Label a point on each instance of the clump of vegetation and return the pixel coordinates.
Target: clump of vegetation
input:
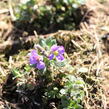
(49, 64)
(69, 95)
(48, 17)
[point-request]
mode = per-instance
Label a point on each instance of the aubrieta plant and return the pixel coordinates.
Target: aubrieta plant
(48, 62)
(70, 94)
(56, 53)
(36, 60)
(48, 56)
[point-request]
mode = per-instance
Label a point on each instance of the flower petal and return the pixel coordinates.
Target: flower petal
(54, 48)
(40, 65)
(60, 57)
(32, 58)
(61, 50)
(34, 53)
(51, 56)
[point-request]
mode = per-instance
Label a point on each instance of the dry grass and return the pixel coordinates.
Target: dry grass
(85, 49)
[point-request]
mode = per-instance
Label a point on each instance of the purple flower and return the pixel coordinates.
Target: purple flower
(36, 60)
(57, 51)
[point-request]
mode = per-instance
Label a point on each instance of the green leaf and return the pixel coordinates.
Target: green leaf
(47, 43)
(27, 68)
(16, 73)
(42, 42)
(60, 64)
(50, 41)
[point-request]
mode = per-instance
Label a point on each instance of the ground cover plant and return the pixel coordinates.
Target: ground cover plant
(51, 66)
(49, 16)
(67, 69)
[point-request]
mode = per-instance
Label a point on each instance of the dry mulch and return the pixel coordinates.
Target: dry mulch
(89, 36)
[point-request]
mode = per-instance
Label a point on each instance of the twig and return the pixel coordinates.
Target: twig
(4, 11)
(2, 72)
(76, 44)
(11, 10)
(41, 49)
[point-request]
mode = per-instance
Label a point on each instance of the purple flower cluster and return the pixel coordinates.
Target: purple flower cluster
(55, 52)
(36, 60)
